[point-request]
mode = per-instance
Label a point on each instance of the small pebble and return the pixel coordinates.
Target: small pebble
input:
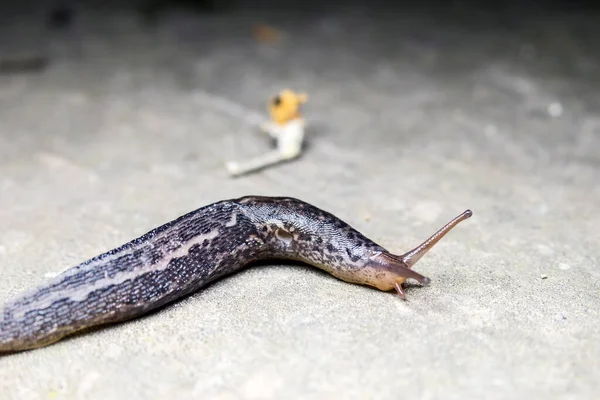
(564, 266)
(543, 276)
(555, 110)
(560, 317)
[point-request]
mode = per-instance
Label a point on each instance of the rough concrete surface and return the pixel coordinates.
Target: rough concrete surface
(413, 117)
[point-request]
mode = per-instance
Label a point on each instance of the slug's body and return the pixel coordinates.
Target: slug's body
(184, 255)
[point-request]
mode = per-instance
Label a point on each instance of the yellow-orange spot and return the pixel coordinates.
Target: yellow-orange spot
(265, 33)
(285, 107)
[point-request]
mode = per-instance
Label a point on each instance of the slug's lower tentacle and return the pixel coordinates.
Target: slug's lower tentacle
(184, 255)
(399, 290)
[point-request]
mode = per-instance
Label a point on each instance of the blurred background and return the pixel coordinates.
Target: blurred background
(118, 116)
(507, 70)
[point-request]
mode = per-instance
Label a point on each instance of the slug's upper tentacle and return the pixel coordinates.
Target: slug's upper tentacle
(411, 257)
(184, 255)
(401, 265)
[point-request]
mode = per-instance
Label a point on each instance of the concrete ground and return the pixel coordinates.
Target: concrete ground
(413, 117)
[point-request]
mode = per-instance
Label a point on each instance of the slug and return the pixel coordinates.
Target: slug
(182, 256)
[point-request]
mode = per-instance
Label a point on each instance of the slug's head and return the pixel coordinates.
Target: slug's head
(296, 230)
(386, 271)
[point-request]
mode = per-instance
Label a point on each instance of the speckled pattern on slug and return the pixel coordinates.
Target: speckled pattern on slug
(181, 257)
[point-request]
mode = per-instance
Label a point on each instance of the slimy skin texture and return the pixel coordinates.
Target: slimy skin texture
(184, 255)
